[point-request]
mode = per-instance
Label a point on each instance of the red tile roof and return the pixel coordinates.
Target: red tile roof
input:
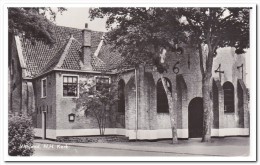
(114, 58)
(72, 58)
(65, 53)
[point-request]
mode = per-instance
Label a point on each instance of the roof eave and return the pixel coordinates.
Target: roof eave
(71, 70)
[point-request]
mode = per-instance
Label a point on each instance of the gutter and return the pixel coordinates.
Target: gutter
(70, 70)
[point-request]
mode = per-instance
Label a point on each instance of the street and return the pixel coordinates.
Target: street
(230, 146)
(54, 150)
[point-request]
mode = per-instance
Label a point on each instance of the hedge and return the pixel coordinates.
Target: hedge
(21, 135)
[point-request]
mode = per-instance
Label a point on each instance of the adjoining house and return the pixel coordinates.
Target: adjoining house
(44, 79)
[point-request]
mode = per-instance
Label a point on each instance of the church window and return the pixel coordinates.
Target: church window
(121, 96)
(162, 101)
(228, 97)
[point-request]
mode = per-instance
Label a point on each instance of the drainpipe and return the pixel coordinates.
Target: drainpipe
(136, 105)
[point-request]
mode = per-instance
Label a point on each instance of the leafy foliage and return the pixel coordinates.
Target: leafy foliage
(20, 136)
(219, 27)
(97, 100)
(139, 33)
(33, 23)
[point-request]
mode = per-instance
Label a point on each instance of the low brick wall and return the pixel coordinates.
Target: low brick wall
(92, 139)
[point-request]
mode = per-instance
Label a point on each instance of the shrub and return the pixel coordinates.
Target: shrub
(97, 99)
(21, 135)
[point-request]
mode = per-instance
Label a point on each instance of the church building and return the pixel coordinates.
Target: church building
(45, 79)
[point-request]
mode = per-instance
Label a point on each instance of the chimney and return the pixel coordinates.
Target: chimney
(86, 55)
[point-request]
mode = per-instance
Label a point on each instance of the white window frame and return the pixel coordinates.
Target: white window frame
(95, 77)
(43, 79)
(70, 75)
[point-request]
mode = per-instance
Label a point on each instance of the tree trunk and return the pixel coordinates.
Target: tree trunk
(100, 127)
(103, 119)
(207, 109)
(207, 100)
(171, 111)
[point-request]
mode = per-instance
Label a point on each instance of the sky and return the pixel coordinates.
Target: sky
(77, 17)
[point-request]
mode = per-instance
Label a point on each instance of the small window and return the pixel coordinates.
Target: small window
(162, 101)
(101, 82)
(44, 88)
(228, 97)
(70, 86)
(12, 68)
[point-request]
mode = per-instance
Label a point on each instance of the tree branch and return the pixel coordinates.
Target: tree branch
(227, 17)
(214, 45)
(220, 14)
(190, 22)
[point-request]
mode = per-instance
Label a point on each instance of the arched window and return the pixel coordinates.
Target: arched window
(162, 101)
(228, 97)
(121, 96)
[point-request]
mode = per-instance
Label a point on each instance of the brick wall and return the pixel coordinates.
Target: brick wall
(184, 89)
(65, 105)
(47, 104)
(186, 85)
(15, 80)
(189, 70)
(229, 62)
(130, 104)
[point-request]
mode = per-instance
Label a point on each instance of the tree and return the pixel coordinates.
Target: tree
(32, 24)
(35, 24)
(141, 34)
(216, 27)
(97, 99)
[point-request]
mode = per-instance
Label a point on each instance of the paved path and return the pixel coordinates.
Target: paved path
(229, 146)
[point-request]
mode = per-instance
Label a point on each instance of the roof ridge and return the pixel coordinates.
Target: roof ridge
(64, 54)
(99, 45)
(76, 40)
(79, 28)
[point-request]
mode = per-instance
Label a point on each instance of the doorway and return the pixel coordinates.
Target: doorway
(195, 116)
(43, 125)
